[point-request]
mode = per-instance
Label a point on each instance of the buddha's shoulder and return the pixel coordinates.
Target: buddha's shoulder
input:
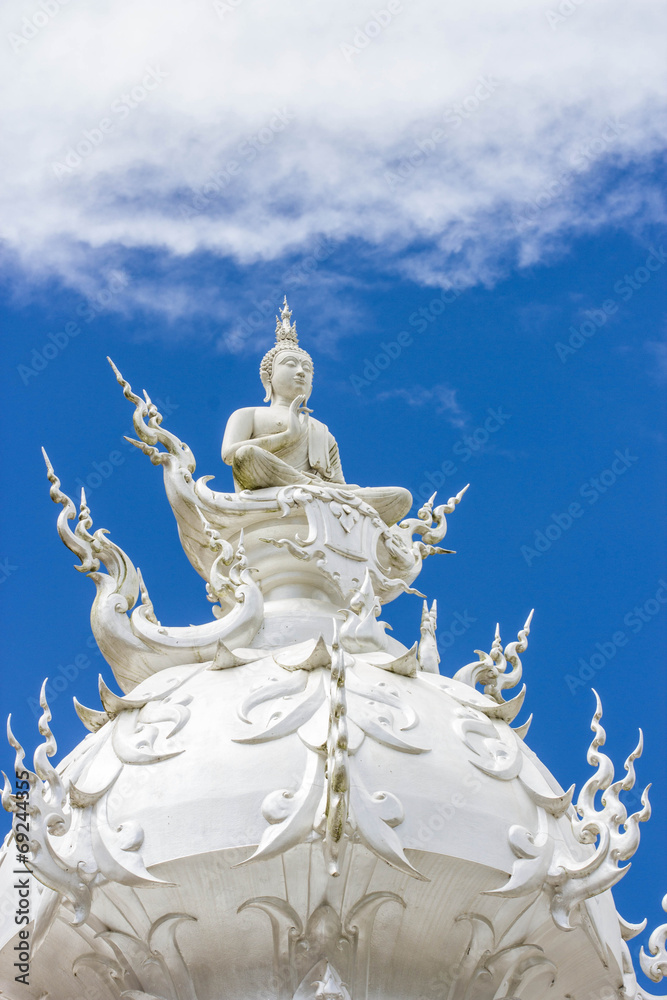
(245, 412)
(322, 427)
(249, 409)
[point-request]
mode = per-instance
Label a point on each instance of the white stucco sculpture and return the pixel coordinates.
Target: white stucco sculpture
(285, 801)
(283, 444)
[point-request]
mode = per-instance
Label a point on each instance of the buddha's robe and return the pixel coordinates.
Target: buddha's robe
(312, 458)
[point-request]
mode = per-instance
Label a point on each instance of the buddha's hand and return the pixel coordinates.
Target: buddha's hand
(293, 432)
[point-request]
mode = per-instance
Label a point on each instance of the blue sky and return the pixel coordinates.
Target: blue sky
(484, 301)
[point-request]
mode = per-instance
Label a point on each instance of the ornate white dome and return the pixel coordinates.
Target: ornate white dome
(286, 802)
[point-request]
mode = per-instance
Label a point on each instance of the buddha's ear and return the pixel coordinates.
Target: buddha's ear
(269, 392)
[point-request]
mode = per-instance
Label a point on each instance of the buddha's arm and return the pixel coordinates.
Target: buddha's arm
(334, 461)
(240, 430)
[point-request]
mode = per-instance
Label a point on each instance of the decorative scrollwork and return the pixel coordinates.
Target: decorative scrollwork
(331, 802)
(138, 645)
(545, 860)
(428, 655)
(96, 850)
(150, 968)
(337, 807)
(491, 668)
(326, 954)
(147, 421)
(431, 525)
(495, 965)
(654, 965)
(361, 631)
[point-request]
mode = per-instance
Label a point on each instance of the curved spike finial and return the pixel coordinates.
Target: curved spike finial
(655, 967)
(147, 422)
(15, 745)
(49, 467)
(127, 388)
(49, 747)
(591, 823)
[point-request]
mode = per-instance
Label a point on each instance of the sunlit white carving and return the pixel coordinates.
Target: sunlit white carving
(138, 646)
(292, 746)
(544, 860)
(330, 950)
(654, 965)
(73, 846)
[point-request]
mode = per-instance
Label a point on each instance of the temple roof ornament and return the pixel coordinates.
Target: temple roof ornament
(286, 339)
(290, 756)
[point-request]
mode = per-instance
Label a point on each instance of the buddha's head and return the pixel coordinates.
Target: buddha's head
(286, 370)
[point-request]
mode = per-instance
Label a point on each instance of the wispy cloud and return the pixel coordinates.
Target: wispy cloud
(442, 398)
(181, 132)
(658, 351)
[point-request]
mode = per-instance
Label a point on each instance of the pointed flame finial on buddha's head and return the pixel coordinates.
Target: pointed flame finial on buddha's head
(286, 331)
(286, 340)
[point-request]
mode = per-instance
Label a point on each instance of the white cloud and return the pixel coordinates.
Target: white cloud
(441, 397)
(249, 131)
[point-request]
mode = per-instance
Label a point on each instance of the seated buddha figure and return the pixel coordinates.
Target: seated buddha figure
(283, 444)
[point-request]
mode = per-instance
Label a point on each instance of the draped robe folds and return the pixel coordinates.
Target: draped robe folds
(312, 458)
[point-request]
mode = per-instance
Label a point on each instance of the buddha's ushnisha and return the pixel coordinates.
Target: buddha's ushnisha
(283, 444)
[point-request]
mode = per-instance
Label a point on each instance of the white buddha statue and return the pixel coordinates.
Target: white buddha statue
(283, 444)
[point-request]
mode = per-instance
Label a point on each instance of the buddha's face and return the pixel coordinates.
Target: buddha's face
(292, 376)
